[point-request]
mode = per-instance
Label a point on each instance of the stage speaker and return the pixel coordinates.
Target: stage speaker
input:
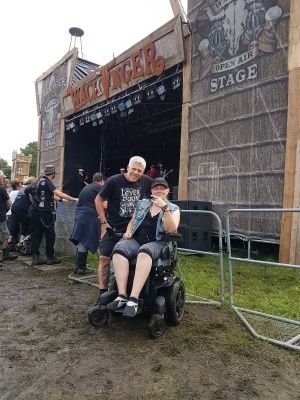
(195, 238)
(195, 219)
(183, 205)
(199, 239)
(198, 219)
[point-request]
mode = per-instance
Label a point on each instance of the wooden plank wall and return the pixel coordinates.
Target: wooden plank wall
(237, 133)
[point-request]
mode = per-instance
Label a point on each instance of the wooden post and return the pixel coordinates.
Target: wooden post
(293, 133)
(177, 9)
(184, 139)
(295, 250)
(62, 154)
(39, 146)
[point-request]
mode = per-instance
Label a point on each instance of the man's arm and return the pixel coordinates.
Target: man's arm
(101, 205)
(61, 195)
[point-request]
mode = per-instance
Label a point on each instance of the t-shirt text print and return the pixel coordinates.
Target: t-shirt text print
(129, 197)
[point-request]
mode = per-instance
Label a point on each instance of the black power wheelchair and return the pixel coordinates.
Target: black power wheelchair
(162, 297)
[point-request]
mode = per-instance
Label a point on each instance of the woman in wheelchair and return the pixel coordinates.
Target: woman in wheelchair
(143, 239)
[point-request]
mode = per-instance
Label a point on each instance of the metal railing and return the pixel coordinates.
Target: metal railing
(286, 331)
(195, 298)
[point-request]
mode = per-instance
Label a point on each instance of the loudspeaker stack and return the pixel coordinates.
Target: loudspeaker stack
(195, 227)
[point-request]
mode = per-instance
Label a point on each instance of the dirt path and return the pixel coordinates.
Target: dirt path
(49, 351)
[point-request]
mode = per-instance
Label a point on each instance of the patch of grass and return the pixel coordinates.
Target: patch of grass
(271, 289)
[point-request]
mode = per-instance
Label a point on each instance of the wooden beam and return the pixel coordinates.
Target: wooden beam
(293, 133)
(62, 154)
(177, 9)
(184, 140)
(295, 233)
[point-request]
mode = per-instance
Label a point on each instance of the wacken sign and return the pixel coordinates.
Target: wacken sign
(111, 76)
(234, 32)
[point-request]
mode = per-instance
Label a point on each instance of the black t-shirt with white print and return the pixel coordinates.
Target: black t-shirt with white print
(122, 196)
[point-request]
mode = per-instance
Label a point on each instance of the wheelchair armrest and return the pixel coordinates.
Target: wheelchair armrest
(173, 237)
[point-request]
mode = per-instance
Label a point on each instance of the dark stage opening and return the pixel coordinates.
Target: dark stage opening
(144, 121)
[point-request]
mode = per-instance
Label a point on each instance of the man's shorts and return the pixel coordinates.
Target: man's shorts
(106, 245)
(4, 234)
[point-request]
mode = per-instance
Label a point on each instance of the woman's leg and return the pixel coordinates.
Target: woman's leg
(142, 271)
(121, 268)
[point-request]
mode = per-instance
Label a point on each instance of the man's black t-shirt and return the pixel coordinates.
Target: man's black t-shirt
(88, 194)
(3, 199)
(122, 196)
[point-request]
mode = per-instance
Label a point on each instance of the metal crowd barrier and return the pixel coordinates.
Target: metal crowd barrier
(197, 299)
(287, 331)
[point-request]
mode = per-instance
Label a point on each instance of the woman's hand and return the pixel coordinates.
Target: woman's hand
(127, 235)
(158, 201)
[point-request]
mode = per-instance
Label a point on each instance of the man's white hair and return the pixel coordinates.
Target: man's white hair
(137, 160)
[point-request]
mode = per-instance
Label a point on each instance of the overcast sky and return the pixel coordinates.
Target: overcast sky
(35, 35)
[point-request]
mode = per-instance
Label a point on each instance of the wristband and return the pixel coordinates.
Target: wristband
(163, 209)
(103, 222)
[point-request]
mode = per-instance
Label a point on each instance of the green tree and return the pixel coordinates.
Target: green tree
(31, 148)
(5, 167)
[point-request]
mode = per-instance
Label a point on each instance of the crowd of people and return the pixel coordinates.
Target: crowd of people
(29, 211)
(133, 205)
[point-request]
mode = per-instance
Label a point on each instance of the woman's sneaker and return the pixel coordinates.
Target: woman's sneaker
(131, 307)
(118, 303)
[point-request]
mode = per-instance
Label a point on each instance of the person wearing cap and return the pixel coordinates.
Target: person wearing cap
(5, 205)
(120, 193)
(42, 216)
(143, 239)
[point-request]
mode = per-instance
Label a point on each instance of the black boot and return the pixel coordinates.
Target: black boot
(81, 263)
(8, 256)
(36, 260)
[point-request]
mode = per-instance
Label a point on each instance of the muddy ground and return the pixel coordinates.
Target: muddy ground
(49, 350)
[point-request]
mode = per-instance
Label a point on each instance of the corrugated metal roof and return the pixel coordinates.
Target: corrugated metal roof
(82, 69)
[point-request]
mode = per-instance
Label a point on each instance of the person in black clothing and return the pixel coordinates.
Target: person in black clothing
(4, 234)
(121, 193)
(19, 219)
(42, 216)
(85, 234)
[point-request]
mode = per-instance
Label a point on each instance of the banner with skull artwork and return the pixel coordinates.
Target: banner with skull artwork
(232, 34)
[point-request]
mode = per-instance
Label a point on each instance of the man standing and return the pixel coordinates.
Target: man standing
(85, 234)
(43, 216)
(121, 193)
(5, 205)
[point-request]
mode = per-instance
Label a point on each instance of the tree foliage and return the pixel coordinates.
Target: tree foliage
(31, 148)
(5, 167)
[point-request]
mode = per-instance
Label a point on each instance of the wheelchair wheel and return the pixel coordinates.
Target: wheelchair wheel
(157, 325)
(98, 317)
(175, 302)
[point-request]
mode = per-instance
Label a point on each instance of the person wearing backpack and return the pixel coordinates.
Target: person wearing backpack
(19, 220)
(42, 215)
